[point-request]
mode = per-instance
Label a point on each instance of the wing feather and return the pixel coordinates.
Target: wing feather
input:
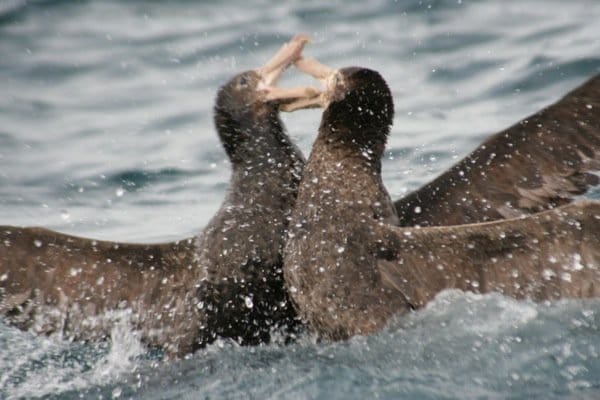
(542, 162)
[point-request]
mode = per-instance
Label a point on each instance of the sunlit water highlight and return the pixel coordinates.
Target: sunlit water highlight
(106, 131)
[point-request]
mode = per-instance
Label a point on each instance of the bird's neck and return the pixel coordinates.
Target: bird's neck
(345, 179)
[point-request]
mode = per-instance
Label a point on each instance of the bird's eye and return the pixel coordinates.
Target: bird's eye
(243, 82)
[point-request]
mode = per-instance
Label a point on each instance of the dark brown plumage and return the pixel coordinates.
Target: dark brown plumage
(79, 288)
(541, 162)
(225, 282)
(349, 268)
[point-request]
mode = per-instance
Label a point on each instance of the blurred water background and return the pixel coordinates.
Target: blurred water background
(106, 131)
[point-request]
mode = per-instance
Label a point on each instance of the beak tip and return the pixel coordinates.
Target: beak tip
(303, 38)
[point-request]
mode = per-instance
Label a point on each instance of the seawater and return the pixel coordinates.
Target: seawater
(106, 131)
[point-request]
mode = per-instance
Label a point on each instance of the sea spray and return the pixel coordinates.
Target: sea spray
(50, 365)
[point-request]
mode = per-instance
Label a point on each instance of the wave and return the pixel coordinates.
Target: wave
(462, 345)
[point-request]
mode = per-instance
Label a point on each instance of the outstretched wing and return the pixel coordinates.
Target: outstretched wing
(42, 269)
(548, 255)
(542, 162)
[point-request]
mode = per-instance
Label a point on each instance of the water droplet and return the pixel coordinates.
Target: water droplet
(417, 210)
(587, 313)
(248, 301)
(321, 269)
(547, 274)
(100, 281)
(120, 192)
(341, 249)
(3, 277)
(552, 259)
(589, 106)
(37, 243)
(577, 265)
(116, 393)
(565, 276)
(64, 214)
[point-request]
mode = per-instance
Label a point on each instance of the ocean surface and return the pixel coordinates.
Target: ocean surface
(106, 132)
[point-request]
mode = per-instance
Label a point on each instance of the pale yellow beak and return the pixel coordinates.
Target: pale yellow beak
(286, 56)
(295, 98)
(327, 77)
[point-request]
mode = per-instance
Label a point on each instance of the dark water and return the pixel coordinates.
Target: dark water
(106, 131)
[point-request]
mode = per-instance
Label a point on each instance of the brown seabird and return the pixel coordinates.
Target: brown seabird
(225, 282)
(541, 162)
(349, 267)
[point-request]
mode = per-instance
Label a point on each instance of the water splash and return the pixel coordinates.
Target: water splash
(47, 366)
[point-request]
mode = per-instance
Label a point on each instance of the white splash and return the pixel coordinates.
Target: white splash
(56, 376)
(504, 312)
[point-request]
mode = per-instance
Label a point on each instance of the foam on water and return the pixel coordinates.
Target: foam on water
(504, 312)
(51, 365)
(461, 345)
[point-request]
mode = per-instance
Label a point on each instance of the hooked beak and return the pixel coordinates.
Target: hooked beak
(269, 74)
(320, 99)
(287, 55)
